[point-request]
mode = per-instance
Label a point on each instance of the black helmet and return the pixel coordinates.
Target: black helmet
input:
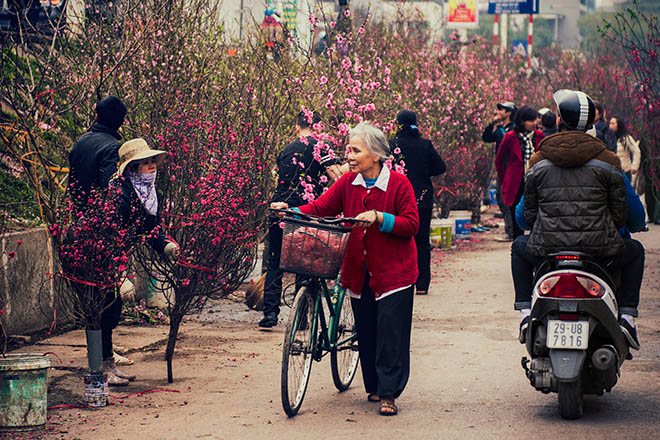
(576, 109)
(508, 106)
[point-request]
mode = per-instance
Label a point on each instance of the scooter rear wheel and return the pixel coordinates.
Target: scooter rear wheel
(571, 399)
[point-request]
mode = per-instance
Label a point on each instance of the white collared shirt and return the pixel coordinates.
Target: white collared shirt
(381, 183)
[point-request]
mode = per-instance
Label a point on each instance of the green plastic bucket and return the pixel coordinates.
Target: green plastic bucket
(23, 391)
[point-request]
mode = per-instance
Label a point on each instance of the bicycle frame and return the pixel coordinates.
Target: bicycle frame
(326, 337)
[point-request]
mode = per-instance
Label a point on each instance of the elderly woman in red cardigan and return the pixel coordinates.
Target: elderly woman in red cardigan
(380, 264)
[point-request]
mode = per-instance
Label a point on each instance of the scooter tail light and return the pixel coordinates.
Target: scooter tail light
(591, 286)
(569, 285)
(547, 285)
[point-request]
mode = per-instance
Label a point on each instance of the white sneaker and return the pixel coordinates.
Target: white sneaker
(121, 360)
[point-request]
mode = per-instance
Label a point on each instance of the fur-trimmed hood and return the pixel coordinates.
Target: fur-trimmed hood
(570, 149)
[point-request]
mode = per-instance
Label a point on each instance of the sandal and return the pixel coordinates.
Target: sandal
(373, 397)
(388, 408)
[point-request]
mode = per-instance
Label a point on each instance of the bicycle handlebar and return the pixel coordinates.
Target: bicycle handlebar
(325, 220)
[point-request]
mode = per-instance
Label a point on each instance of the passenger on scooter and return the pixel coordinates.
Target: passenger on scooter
(575, 200)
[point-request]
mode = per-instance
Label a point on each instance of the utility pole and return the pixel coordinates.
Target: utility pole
(504, 32)
(530, 33)
(240, 24)
(495, 29)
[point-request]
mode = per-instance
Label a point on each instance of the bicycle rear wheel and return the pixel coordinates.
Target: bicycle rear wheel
(345, 358)
(298, 351)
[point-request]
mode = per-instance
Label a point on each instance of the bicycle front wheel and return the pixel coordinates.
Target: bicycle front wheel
(345, 358)
(298, 351)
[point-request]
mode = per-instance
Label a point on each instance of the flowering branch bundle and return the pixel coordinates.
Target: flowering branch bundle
(637, 35)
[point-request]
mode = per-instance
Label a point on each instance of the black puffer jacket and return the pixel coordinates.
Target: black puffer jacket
(575, 197)
(93, 161)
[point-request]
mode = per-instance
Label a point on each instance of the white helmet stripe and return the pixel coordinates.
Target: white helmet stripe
(584, 111)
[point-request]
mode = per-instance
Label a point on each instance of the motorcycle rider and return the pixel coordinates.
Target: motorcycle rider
(575, 200)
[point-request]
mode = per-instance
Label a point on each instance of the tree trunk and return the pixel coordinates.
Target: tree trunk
(175, 322)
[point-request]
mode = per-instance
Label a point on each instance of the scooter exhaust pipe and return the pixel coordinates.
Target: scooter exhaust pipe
(603, 358)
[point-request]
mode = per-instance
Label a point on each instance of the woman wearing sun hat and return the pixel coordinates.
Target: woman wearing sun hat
(96, 248)
(133, 192)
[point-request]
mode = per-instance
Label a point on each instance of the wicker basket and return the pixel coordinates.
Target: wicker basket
(313, 249)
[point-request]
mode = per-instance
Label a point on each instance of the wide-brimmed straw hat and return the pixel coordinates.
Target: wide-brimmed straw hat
(136, 150)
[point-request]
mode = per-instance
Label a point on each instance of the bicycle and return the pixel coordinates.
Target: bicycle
(314, 247)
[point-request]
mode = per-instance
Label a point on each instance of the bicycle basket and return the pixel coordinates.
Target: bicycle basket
(313, 249)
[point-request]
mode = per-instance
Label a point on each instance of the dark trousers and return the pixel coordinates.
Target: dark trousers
(109, 320)
(522, 270)
(631, 263)
(509, 219)
(383, 330)
(515, 229)
(273, 282)
(424, 249)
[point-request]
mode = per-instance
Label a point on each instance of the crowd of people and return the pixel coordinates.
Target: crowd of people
(544, 160)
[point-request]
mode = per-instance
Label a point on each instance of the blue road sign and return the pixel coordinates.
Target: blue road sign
(513, 7)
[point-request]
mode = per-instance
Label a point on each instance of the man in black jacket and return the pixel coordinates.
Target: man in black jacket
(92, 162)
(575, 200)
(301, 178)
(494, 132)
(93, 159)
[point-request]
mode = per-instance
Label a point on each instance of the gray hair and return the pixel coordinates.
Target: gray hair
(373, 138)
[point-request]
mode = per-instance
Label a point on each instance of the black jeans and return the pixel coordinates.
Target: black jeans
(273, 282)
(631, 262)
(109, 320)
(383, 330)
(424, 249)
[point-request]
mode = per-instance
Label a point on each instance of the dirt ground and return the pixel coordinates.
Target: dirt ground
(466, 379)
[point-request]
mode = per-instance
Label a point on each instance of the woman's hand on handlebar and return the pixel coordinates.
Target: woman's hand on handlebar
(367, 219)
(279, 205)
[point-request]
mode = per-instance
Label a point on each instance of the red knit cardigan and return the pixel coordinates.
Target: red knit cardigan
(391, 257)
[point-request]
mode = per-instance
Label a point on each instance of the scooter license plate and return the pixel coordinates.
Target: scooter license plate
(568, 334)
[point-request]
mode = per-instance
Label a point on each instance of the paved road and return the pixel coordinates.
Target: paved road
(466, 377)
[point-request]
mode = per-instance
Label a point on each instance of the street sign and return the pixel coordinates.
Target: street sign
(463, 14)
(513, 7)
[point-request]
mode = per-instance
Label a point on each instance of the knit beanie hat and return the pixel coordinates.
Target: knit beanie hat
(407, 120)
(111, 112)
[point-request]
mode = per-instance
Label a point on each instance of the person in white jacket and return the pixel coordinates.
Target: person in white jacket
(627, 148)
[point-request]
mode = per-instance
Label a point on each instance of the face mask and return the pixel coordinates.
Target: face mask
(145, 179)
(144, 187)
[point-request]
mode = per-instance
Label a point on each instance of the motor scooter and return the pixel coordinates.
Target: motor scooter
(573, 338)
